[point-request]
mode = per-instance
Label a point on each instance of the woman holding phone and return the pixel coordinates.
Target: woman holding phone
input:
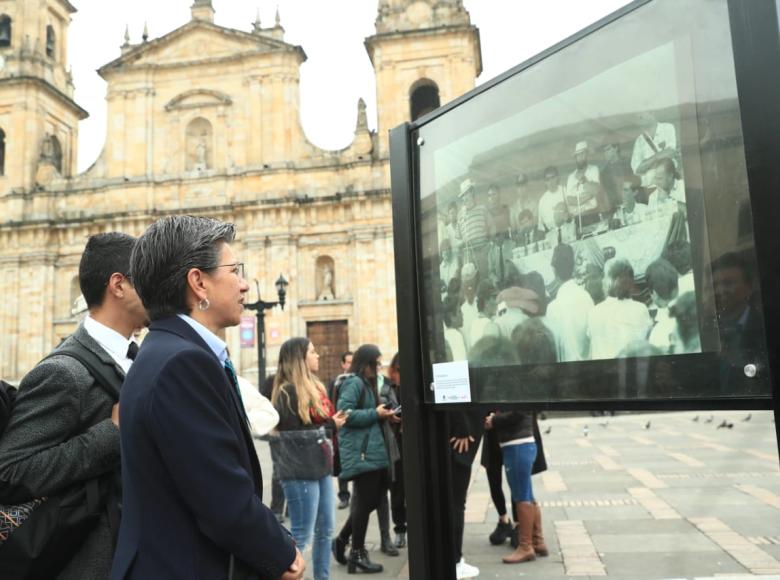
(308, 420)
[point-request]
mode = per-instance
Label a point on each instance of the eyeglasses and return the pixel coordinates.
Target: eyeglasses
(238, 269)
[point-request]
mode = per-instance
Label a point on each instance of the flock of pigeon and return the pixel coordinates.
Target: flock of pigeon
(722, 425)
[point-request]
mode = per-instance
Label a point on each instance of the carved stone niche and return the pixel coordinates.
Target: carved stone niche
(325, 278)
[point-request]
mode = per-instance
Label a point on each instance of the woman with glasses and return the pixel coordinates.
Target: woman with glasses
(191, 481)
(307, 420)
(364, 457)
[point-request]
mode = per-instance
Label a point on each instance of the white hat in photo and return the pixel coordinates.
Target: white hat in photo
(580, 147)
(468, 272)
(465, 186)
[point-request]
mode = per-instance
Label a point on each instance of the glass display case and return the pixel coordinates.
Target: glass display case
(584, 229)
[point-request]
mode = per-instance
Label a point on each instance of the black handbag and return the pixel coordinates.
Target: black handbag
(302, 454)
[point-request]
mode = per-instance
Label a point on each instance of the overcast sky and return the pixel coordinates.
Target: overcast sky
(337, 72)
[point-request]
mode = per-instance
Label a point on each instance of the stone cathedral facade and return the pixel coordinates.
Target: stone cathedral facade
(205, 120)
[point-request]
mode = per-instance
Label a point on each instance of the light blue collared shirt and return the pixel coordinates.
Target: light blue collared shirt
(216, 344)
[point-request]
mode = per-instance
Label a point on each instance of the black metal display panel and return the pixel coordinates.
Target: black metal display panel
(632, 167)
(584, 228)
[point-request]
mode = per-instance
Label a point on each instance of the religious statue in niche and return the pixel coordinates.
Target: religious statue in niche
(201, 150)
(326, 284)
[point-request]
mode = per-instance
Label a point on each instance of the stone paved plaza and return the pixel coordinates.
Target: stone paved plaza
(641, 496)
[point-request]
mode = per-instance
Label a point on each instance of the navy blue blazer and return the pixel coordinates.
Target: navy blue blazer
(192, 486)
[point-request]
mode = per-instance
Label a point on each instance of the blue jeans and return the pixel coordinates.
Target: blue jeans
(310, 503)
(518, 461)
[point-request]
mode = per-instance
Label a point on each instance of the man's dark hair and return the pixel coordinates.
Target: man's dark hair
(344, 356)
(550, 170)
(166, 252)
(678, 253)
(365, 357)
(534, 343)
(563, 262)
(485, 291)
(621, 279)
(104, 255)
(661, 276)
(450, 305)
(395, 363)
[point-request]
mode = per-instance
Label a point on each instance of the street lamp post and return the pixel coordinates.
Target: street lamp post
(260, 307)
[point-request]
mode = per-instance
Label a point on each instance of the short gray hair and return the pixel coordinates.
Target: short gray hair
(166, 252)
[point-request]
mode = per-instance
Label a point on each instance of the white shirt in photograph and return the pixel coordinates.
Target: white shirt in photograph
(482, 326)
(664, 137)
(661, 335)
(454, 340)
(547, 204)
(112, 342)
(470, 314)
(613, 324)
(575, 188)
(568, 315)
(657, 202)
(685, 283)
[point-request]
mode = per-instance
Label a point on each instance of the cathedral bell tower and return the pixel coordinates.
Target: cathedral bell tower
(425, 53)
(38, 116)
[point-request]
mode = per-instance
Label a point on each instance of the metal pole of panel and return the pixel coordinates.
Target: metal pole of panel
(756, 45)
(261, 346)
(425, 451)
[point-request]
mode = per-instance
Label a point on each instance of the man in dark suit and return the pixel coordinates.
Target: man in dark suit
(64, 426)
(192, 487)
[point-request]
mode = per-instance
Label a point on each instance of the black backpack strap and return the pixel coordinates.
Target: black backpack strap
(104, 375)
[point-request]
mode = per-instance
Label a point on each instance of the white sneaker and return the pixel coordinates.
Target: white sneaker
(463, 570)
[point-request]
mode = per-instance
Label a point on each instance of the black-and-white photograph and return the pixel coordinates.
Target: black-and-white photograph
(564, 229)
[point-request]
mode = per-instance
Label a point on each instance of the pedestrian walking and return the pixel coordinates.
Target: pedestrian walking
(364, 455)
(304, 452)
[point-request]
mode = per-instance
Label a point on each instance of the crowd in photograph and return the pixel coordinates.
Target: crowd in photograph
(600, 257)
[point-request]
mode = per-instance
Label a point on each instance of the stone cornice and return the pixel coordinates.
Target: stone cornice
(81, 114)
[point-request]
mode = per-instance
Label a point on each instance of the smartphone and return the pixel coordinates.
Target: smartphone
(388, 405)
(397, 410)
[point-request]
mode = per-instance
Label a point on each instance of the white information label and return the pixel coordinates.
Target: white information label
(451, 382)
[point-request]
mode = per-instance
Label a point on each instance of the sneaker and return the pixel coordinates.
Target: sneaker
(463, 570)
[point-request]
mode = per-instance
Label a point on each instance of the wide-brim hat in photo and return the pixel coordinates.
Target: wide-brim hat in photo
(522, 298)
(581, 147)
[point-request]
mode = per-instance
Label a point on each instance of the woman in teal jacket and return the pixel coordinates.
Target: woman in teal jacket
(363, 455)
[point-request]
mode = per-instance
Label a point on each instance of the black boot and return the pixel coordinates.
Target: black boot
(501, 533)
(339, 548)
(360, 564)
(388, 547)
(400, 539)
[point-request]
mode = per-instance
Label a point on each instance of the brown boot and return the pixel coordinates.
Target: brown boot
(537, 538)
(524, 530)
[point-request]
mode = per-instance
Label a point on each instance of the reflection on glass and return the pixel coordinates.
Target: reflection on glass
(587, 197)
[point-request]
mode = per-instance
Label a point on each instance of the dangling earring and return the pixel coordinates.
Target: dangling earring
(204, 304)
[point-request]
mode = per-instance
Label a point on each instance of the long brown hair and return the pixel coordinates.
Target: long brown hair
(293, 370)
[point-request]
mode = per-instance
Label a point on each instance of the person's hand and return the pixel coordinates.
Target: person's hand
(461, 444)
(296, 569)
(489, 422)
(395, 419)
(115, 414)
(339, 419)
(383, 412)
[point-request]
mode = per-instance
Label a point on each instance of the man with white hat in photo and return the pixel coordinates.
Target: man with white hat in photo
(475, 228)
(583, 188)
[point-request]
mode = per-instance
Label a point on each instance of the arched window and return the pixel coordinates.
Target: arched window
(56, 154)
(423, 98)
(2, 152)
(51, 41)
(5, 31)
(200, 145)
